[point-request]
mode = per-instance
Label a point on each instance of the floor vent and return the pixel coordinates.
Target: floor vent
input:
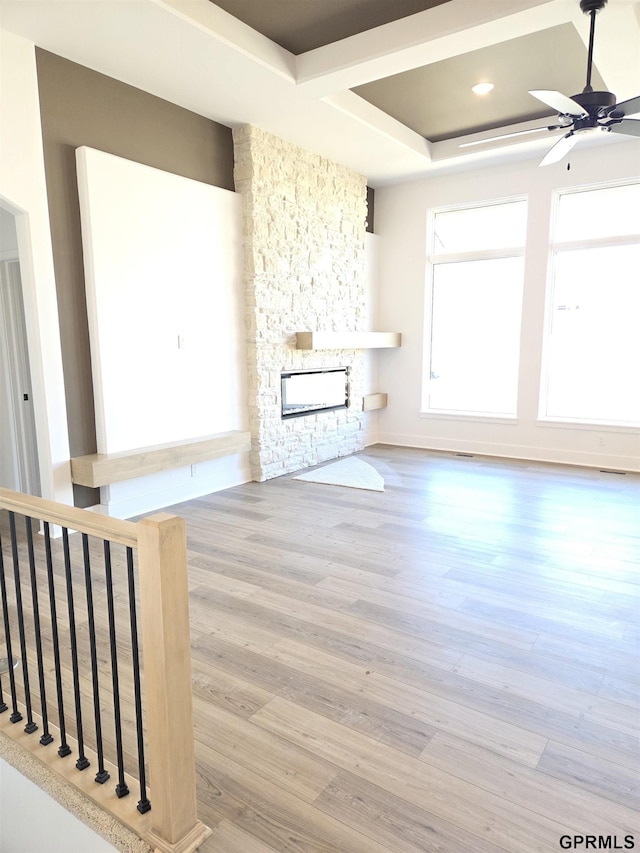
(607, 471)
(468, 455)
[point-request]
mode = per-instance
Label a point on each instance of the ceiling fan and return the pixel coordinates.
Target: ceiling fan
(588, 111)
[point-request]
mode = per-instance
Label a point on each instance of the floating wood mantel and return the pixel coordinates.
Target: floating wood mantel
(348, 340)
(371, 402)
(101, 469)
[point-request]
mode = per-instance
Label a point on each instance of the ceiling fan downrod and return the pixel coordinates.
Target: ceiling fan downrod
(591, 7)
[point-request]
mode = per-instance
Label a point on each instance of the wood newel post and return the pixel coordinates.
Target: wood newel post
(164, 610)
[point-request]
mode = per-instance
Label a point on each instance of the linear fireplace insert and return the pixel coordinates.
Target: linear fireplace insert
(305, 392)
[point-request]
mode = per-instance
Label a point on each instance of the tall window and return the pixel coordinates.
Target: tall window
(592, 351)
(475, 306)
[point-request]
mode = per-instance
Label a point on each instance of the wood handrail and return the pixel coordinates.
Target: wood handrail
(172, 825)
(82, 520)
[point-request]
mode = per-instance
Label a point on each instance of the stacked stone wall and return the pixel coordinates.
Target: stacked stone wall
(304, 245)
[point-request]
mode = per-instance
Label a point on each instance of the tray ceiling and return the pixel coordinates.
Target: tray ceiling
(302, 25)
(382, 86)
(437, 102)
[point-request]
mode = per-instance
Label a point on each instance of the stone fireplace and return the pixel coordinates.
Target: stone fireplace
(304, 244)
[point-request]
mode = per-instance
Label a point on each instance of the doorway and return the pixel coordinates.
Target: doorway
(18, 446)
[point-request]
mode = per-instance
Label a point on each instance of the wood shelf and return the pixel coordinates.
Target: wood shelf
(101, 469)
(348, 340)
(371, 402)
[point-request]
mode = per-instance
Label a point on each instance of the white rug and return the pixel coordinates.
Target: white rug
(351, 472)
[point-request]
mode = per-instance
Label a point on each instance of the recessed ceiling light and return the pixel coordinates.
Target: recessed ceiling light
(482, 88)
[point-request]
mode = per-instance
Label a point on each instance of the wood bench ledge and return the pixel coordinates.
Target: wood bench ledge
(101, 469)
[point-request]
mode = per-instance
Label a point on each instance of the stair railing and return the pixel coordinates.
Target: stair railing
(74, 608)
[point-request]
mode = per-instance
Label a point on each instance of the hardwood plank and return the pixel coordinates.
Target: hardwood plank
(424, 705)
(270, 814)
(311, 593)
(218, 687)
(363, 714)
(622, 785)
(229, 838)
(620, 691)
(326, 550)
(449, 665)
(445, 626)
(343, 635)
(377, 813)
(620, 659)
(596, 709)
(580, 811)
(447, 797)
(263, 752)
(569, 626)
(393, 592)
(231, 628)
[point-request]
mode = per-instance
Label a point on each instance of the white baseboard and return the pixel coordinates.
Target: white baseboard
(586, 459)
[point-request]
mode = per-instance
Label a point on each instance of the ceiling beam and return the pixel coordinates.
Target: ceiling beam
(234, 34)
(375, 119)
(450, 29)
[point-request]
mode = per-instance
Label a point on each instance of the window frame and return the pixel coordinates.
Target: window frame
(435, 259)
(555, 247)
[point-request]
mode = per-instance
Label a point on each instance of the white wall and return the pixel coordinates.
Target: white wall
(164, 300)
(371, 324)
(23, 192)
(33, 822)
(401, 222)
(9, 470)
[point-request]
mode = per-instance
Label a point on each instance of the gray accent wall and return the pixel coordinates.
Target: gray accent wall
(82, 107)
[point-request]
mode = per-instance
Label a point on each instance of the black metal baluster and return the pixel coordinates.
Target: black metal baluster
(102, 775)
(64, 748)
(83, 762)
(31, 726)
(46, 734)
(3, 705)
(16, 716)
(143, 804)
(122, 789)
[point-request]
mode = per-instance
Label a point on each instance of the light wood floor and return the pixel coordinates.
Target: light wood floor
(451, 665)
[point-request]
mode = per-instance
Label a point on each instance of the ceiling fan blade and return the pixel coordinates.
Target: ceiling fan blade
(506, 136)
(628, 108)
(628, 126)
(561, 103)
(559, 150)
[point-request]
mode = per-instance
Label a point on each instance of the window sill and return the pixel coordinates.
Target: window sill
(477, 417)
(601, 426)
